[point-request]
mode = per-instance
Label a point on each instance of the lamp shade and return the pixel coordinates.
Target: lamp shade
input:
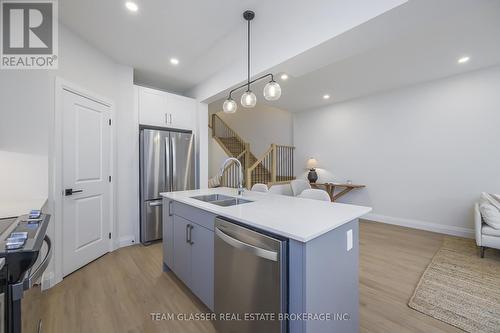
(272, 91)
(248, 99)
(312, 163)
(229, 106)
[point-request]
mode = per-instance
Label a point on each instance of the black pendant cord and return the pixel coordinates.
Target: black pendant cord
(249, 15)
(248, 77)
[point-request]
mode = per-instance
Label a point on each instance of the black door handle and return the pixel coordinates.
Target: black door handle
(70, 191)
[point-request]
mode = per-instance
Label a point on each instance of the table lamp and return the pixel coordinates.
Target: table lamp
(312, 176)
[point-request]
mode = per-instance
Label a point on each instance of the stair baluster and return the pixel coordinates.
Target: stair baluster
(273, 167)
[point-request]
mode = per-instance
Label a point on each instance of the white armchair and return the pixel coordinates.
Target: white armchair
(486, 236)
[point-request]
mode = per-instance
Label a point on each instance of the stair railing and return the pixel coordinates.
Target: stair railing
(273, 167)
(284, 164)
(231, 172)
(221, 130)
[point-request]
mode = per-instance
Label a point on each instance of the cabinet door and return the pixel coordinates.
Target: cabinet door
(168, 233)
(202, 265)
(153, 107)
(182, 250)
(182, 110)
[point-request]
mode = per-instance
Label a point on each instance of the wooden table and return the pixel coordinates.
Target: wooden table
(330, 188)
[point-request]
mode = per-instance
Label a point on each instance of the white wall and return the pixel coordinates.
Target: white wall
(425, 152)
(27, 113)
(82, 64)
(22, 173)
(216, 156)
(260, 126)
(202, 144)
(24, 102)
(283, 34)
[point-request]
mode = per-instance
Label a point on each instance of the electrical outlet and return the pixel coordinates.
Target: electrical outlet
(349, 240)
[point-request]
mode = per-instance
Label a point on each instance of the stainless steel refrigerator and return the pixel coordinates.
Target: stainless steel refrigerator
(166, 164)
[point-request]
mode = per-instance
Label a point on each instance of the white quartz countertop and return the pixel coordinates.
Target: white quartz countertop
(14, 208)
(295, 218)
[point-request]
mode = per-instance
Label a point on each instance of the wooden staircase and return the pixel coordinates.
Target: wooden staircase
(274, 166)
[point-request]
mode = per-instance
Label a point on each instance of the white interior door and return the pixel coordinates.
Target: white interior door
(86, 169)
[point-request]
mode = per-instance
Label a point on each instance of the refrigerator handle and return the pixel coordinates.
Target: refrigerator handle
(174, 167)
(168, 161)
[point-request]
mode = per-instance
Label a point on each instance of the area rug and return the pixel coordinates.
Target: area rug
(460, 288)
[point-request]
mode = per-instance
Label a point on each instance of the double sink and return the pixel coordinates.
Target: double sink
(221, 200)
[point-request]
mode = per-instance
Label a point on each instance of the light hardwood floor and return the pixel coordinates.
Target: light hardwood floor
(117, 292)
(392, 260)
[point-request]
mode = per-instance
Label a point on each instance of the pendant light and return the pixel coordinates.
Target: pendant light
(248, 99)
(272, 90)
(229, 106)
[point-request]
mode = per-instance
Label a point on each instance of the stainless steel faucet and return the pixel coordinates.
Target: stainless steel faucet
(240, 174)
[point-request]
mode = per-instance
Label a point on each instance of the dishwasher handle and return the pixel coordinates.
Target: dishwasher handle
(266, 254)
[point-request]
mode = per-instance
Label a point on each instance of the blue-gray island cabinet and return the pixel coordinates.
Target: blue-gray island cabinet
(321, 258)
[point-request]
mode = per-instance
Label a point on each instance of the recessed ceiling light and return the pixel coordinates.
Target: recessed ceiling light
(132, 6)
(284, 77)
(326, 96)
(463, 60)
(174, 61)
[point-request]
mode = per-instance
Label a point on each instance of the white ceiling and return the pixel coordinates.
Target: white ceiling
(209, 37)
(416, 42)
(189, 30)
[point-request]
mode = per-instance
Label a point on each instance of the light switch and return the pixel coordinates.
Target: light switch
(349, 239)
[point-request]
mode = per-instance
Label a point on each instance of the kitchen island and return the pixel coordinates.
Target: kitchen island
(320, 253)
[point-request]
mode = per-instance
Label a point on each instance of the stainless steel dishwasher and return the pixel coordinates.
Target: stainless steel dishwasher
(250, 279)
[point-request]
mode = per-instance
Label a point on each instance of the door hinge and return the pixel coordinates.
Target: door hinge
(109, 178)
(109, 122)
(109, 235)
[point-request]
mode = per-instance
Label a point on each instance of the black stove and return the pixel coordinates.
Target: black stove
(21, 240)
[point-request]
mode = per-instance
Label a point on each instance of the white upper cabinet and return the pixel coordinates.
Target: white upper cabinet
(152, 107)
(182, 111)
(159, 108)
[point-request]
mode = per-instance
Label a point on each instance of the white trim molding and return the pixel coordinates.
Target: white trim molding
(421, 225)
(126, 241)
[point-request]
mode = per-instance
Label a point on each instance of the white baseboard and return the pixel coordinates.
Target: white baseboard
(47, 280)
(126, 241)
(422, 225)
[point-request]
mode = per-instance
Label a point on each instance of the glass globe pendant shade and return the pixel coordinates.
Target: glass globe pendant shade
(248, 99)
(229, 106)
(272, 91)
